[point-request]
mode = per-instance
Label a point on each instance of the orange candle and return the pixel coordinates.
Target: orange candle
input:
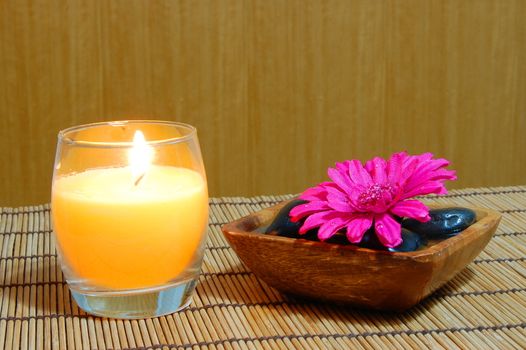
(130, 227)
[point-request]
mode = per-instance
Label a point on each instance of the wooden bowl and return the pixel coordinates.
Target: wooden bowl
(353, 275)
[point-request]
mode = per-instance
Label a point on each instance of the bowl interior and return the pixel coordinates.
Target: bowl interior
(255, 225)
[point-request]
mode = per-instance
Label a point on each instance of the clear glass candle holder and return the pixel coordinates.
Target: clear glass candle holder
(130, 214)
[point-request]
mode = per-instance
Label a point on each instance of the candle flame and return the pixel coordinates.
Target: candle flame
(140, 157)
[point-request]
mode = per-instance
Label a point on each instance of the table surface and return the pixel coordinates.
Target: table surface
(484, 306)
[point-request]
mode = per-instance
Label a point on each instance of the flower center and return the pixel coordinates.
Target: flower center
(375, 194)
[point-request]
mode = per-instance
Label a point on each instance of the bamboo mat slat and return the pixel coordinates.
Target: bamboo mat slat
(484, 307)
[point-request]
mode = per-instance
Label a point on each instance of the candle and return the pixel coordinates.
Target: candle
(130, 227)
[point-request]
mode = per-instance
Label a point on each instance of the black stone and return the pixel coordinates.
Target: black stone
(338, 238)
(444, 223)
(410, 242)
(370, 240)
(282, 225)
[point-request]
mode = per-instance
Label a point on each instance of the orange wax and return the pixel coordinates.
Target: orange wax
(118, 235)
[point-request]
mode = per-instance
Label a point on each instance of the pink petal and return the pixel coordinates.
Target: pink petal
(336, 195)
(355, 196)
(303, 210)
(443, 174)
(340, 205)
(427, 188)
(424, 157)
(339, 179)
(329, 228)
(428, 170)
(316, 220)
(357, 227)
(408, 169)
(377, 168)
(314, 194)
(389, 231)
(394, 167)
(336, 191)
(339, 201)
(412, 209)
(343, 166)
(357, 173)
(433, 164)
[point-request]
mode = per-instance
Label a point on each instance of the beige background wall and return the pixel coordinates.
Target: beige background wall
(279, 90)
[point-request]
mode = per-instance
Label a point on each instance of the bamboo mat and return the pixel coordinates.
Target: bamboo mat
(484, 307)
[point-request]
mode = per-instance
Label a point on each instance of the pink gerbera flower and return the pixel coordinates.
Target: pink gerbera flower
(359, 197)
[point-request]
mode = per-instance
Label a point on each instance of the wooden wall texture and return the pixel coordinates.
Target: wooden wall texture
(279, 90)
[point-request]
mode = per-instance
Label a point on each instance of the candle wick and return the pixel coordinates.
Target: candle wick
(139, 179)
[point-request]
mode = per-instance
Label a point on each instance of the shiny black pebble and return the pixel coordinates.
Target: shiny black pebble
(410, 242)
(283, 226)
(444, 223)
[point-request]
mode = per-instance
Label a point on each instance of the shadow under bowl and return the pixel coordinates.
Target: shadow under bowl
(361, 277)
